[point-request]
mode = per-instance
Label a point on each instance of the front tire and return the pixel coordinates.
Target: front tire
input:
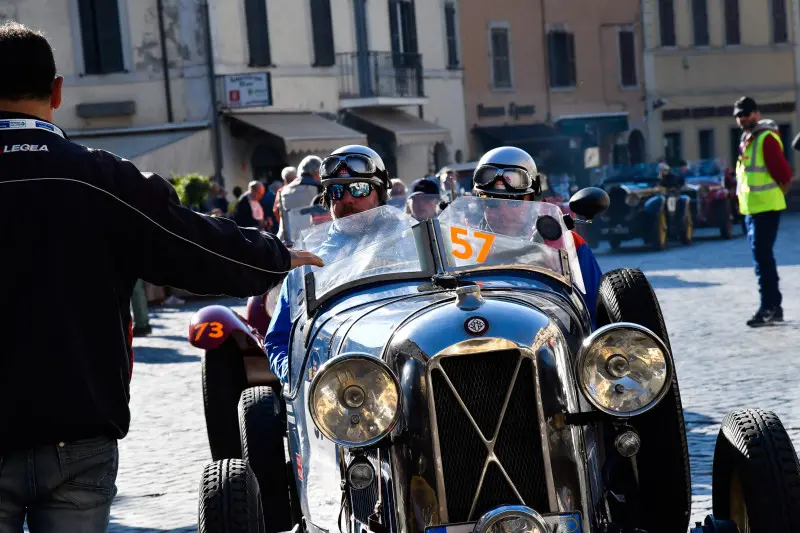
(262, 429)
(224, 379)
(756, 474)
(625, 295)
(230, 501)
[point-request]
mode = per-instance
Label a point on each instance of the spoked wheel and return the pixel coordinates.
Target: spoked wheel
(756, 474)
(230, 500)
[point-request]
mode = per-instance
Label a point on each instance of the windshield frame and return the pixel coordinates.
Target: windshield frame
(433, 253)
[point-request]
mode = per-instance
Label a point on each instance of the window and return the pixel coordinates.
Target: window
(452, 36)
(499, 48)
(257, 32)
(735, 136)
(780, 30)
(322, 33)
(561, 59)
(626, 40)
(673, 147)
(666, 19)
(403, 30)
(785, 131)
(101, 37)
(700, 22)
(707, 148)
(732, 27)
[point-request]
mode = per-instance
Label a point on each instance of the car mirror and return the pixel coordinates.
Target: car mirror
(589, 202)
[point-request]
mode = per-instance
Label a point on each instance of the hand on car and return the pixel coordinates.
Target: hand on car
(302, 257)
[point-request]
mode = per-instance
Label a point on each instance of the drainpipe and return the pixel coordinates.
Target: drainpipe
(212, 83)
(162, 35)
(546, 61)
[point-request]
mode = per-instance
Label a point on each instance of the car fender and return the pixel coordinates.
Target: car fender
(654, 204)
(213, 325)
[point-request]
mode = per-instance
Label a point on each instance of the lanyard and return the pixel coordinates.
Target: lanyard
(30, 124)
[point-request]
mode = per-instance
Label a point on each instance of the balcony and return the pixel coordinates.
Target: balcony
(380, 79)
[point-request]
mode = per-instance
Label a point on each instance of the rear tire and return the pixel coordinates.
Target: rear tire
(262, 429)
(756, 474)
(725, 219)
(224, 379)
(625, 295)
(230, 501)
(687, 228)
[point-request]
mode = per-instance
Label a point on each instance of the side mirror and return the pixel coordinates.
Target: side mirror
(589, 202)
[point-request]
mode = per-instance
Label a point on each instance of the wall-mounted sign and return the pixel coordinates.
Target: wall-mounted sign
(515, 110)
(591, 157)
(246, 90)
(495, 111)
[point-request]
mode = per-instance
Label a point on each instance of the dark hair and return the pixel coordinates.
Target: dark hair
(27, 57)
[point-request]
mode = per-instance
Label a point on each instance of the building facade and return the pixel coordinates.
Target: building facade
(290, 78)
(559, 78)
(700, 56)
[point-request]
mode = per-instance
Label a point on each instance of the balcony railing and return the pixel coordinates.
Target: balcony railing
(379, 74)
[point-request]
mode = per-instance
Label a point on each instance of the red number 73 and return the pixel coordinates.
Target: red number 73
(457, 237)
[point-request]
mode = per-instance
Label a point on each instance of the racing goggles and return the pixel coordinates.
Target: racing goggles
(357, 189)
(355, 165)
(514, 178)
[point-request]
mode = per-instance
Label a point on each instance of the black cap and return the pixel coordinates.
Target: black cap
(425, 186)
(744, 105)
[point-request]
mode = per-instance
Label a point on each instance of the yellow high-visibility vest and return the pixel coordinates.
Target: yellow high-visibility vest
(756, 189)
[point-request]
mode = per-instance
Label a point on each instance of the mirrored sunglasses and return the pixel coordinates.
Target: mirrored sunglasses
(357, 189)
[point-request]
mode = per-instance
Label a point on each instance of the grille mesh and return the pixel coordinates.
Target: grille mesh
(482, 381)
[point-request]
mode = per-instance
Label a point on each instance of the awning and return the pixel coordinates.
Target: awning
(396, 126)
(165, 153)
(301, 132)
(596, 127)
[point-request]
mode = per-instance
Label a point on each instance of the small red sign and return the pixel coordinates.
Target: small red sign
(233, 95)
(299, 461)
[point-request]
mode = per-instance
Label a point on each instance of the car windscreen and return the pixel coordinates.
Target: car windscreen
(302, 218)
(489, 232)
(642, 172)
(705, 168)
(378, 242)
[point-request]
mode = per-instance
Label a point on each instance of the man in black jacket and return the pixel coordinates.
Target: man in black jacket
(82, 227)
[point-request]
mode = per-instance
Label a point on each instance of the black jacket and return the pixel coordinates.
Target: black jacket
(79, 227)
(244, 213)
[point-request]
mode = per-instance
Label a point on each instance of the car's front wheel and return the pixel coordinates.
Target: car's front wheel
(262, 427)
(230, 500)
(756, 474)
(224, 379)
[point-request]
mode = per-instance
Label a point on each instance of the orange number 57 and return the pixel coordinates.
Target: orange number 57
(457, 236)
(215, 332)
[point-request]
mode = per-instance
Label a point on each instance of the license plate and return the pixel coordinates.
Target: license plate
(559, 523)
(672, 202)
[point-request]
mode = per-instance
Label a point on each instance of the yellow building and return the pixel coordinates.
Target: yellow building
(700, 56)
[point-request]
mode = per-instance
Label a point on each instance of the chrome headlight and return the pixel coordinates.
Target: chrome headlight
(632, 200)
(354, 400)
(512, 519)
(624, 369)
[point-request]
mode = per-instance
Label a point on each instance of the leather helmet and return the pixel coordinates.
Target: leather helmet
(506, 157)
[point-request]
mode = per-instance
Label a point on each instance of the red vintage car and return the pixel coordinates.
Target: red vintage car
(712, 189)
(234, 357)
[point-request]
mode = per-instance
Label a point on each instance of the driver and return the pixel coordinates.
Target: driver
(354, 180)
(510, 173)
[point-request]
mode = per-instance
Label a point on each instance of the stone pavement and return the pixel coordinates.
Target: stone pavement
(706, 290)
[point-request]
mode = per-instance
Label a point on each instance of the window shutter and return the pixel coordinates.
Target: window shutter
(258, 32)
(109, 39)
(394, 31)
(452, 39)
(322, 29)
(571, 60)
(732, 24)
(627, 54)
(91, 54)
(666, 16)
(552, 60)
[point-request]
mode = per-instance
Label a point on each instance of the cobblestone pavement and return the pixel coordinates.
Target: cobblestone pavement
(706, 290)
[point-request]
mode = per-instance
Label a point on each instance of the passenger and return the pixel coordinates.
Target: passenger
(423, 202)
(510, 173)
(353, 180)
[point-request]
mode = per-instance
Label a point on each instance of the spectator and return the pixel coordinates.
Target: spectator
(65, 384)
(423, 202)
(237, 192)
(249, 213)
(141, 314)
(299, 193)
(288, 175)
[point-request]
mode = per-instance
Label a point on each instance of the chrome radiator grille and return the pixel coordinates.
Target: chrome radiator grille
(497, 391)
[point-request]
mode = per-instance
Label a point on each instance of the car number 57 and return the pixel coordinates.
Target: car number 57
(457, 236)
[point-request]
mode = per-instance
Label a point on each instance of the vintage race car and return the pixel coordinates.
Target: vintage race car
(233, 346)
(444, 377)
(713, 197)
(641, 209)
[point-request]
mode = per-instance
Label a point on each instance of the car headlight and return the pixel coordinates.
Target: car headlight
(624, 369)
(632, 200)
(512, 519)
(354, 400)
